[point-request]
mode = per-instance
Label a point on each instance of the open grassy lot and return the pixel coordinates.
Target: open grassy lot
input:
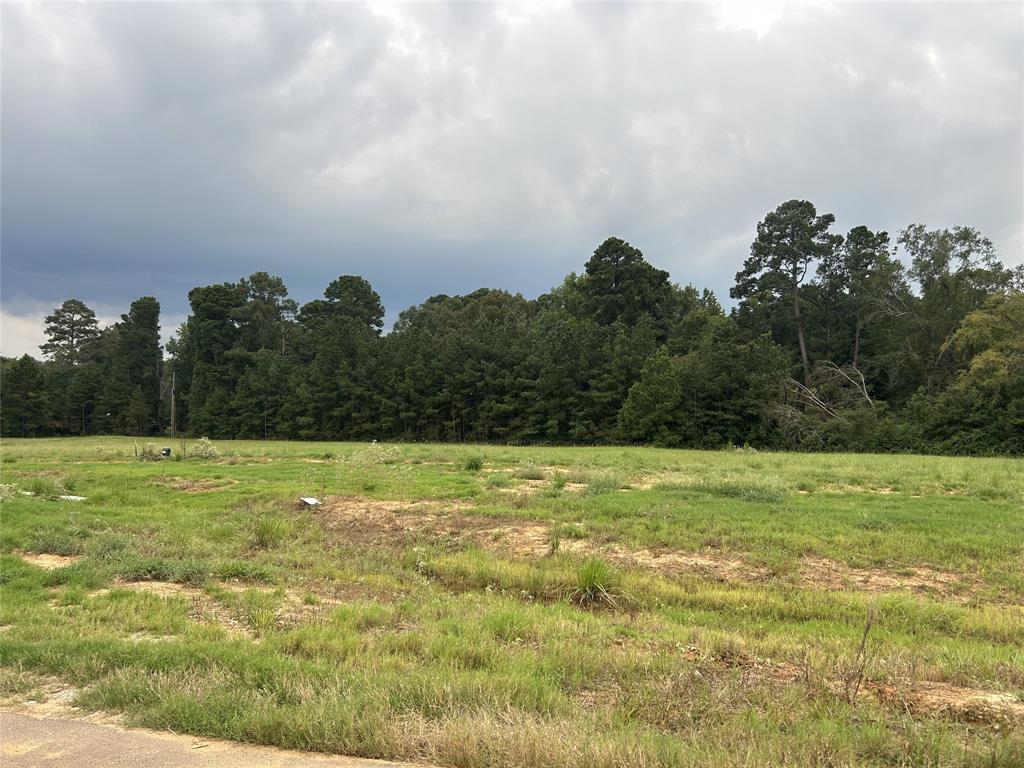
(480, 606)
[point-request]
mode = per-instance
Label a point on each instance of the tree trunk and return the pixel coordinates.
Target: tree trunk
(800, 338)
(856, 339)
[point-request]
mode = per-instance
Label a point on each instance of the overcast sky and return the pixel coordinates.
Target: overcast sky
(150, 148)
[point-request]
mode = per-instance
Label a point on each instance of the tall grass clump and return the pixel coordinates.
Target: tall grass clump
(268, 532)
(529, 472)
(597, 583)
(603, 482)
(474, 463)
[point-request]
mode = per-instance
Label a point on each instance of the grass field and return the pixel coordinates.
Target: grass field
(483, 606)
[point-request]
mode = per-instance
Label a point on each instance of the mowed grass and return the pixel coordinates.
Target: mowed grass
(479, 606)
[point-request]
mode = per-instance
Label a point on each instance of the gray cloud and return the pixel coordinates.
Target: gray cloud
(148, 148)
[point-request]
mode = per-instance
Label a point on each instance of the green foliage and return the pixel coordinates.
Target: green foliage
(833, 345)
(70, 328)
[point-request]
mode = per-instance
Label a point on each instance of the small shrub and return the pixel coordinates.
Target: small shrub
(474, 463)
(375, 453)
(148, 452)
(203, 449)
(10, 459)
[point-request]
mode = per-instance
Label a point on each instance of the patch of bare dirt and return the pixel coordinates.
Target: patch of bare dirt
(189, 485)
(226, 608)
(966, 704)
(160, 588)
(392, 522)
(50, 562)
(823, 573)
(203, 608)
(384, 521)
(974, 705)
(52, 697)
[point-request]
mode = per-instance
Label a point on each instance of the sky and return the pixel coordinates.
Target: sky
(437, 148)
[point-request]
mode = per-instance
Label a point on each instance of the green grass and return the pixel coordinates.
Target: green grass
(565, 607)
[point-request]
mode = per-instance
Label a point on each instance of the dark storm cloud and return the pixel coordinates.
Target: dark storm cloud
(148, 148)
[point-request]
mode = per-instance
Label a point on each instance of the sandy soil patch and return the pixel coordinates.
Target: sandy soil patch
(189, 485)
(972, 705)
(380, 522)
(823, 573)
(52, 697)
(391, 522)
(50, 562)
(290, 607)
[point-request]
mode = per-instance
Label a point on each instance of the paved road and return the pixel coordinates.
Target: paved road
(30, 742)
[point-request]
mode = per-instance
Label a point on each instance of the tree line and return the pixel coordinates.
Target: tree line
(854, 342)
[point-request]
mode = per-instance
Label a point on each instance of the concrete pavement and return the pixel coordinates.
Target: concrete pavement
(31, 742)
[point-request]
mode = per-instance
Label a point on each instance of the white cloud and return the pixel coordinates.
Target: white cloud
(21, 334)
(23, 329)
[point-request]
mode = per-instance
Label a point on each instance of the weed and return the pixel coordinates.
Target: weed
(858, 672)
(474, 463)
(373, 454)
(555, 541)
(203, 449)
(148, 452)
(520, 499)
(261, 619)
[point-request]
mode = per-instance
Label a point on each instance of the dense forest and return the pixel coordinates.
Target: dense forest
(855, 342)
